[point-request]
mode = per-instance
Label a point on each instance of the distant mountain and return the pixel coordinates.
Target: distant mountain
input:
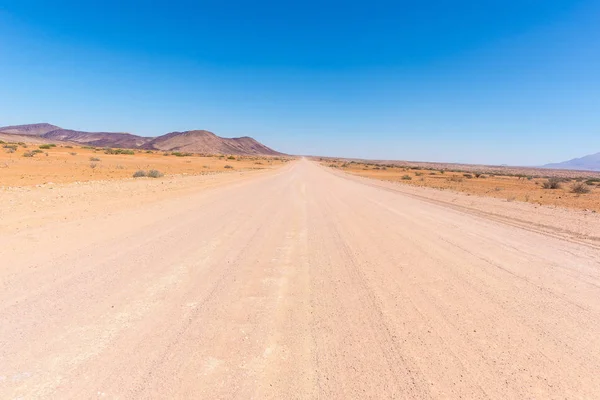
(100, 139)
(31, 129)
(197, 141)
(587, 163)
(208, 143)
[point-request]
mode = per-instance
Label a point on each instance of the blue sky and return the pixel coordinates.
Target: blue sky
(515, 82)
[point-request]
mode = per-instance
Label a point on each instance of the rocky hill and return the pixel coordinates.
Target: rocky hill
(196, 141)
(587, 163)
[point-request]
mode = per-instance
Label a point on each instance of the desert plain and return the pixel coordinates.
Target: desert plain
(288, 277)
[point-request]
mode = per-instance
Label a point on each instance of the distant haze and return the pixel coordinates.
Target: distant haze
(587, 163)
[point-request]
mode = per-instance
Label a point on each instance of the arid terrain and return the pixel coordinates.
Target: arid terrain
(572, 189)
(293, 281)
(69, 163)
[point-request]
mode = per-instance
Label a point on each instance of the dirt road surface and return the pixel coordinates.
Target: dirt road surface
(297, 283)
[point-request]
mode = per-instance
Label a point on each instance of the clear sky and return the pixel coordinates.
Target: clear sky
(515, 82)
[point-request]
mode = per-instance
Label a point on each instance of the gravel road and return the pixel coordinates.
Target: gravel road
(296, 283)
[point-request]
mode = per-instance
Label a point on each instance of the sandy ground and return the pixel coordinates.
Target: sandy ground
(298, 282)
(62, 164)
(509, 188)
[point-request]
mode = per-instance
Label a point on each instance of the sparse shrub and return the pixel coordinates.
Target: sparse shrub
(73, 153)
(228, 167)
(68, 147)
(258, 163)
(10, 146)
(406, 178)
(552, 183)
(153, 173)
(37, 151)
(45, 146)
(139, 174)
(94, 159)
(166, 154)
(28, 154)
(10, 150)
(231, 158)
(456, 178)
(149, 152)
(580, 188)
(180, 154)
(93, 165)
(591, 181)
(468, 176)
(119, 166)
(418, 173)
(108, 150)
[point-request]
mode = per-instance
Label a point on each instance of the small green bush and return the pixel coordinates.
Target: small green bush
(108, 150)
(28, 154)
(406, 178)
(552, 183)
(180, 154)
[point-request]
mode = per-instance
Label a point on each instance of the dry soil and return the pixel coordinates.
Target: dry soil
(297, 282)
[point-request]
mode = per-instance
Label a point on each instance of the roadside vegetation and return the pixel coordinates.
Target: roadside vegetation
(569, 189)
(33, 164)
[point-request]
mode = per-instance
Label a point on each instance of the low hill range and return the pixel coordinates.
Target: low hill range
(196, 141)
(587, 163)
